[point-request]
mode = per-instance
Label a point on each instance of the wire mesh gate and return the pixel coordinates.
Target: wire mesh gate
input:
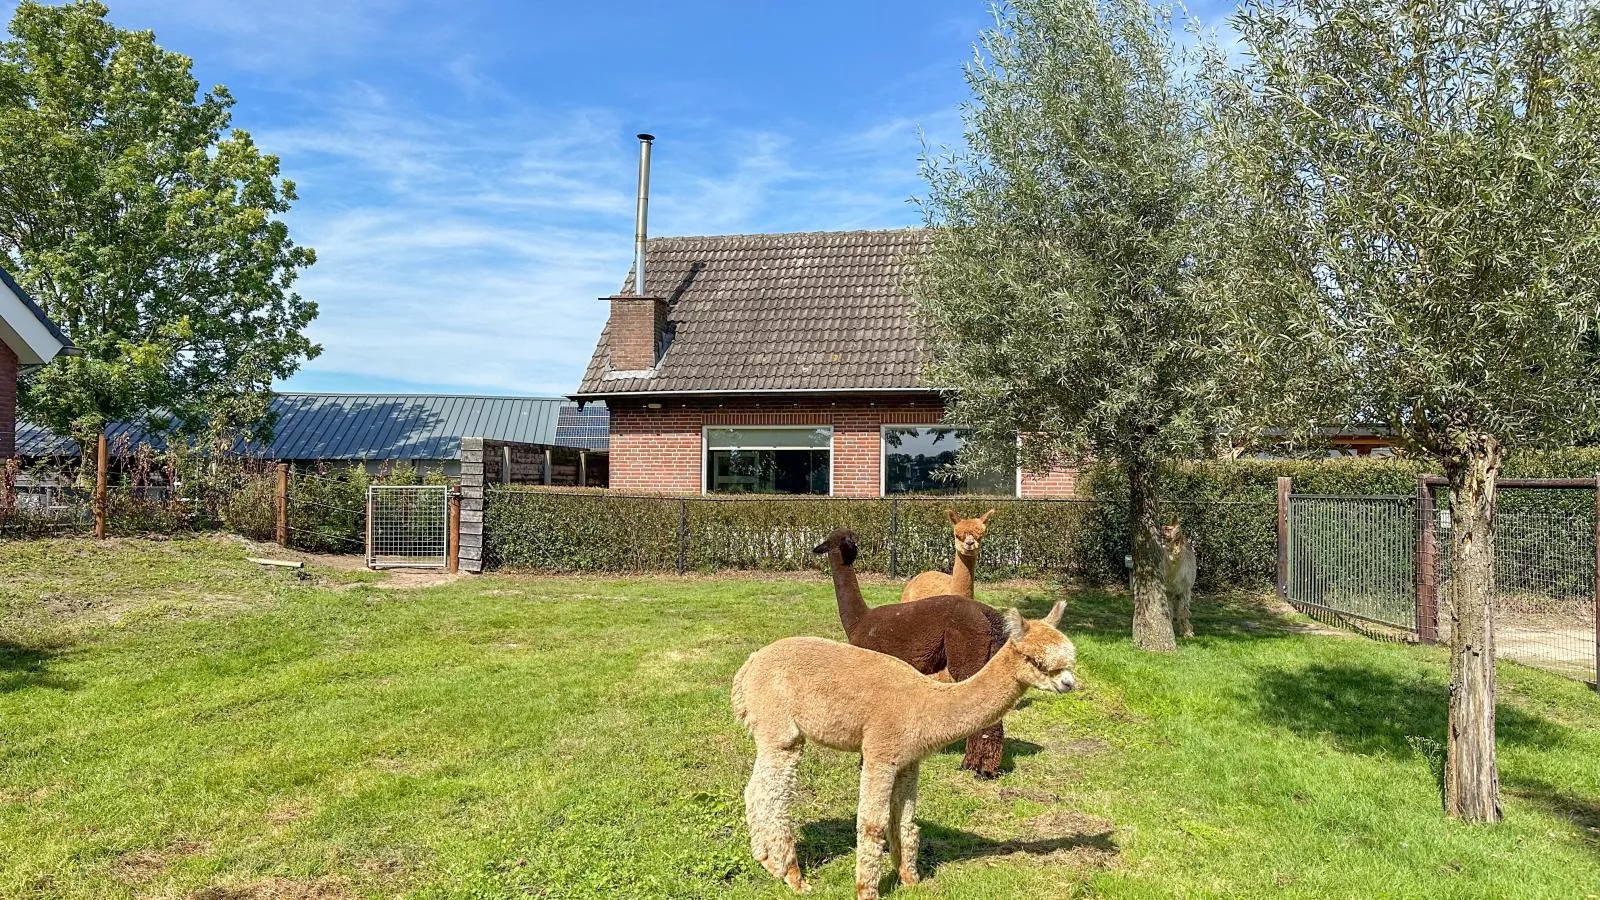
(408, 526)
(1386, 561)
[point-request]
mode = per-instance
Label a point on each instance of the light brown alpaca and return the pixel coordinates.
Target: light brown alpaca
(857, 700)
(1177, 574)
(969, 538)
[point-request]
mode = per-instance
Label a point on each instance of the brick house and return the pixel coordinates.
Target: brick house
(783, 363)
(28, 339)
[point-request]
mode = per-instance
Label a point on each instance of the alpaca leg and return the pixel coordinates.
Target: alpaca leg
(872, 827)
(903, 833)
(985, 750)
(767, 799)
(1185, 627)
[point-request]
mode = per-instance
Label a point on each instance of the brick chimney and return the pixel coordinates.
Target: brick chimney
(637, 322)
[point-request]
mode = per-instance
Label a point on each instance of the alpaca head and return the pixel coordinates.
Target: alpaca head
(842, 540)
(1049, 653)
(1173, 538)
(969, 532)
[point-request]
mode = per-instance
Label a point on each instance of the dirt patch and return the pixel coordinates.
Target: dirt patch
(1031, 794)
(140, 866)
(277, 889)
(286, 814)
(1080, 747)
(1068, 837)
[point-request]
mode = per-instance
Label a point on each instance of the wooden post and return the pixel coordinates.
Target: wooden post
(453, 533)
(100, 476)
(1596, 588)
(505, 463)
(547, 467)
(281, 497)
(583, 468)
(1427, 560)
(1285, 483)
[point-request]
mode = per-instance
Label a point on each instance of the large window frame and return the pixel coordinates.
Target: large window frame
(883, 458)
(705, 454)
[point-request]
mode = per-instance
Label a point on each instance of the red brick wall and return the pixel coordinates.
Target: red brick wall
(8, 402)
(1054, 483)
(659, 449)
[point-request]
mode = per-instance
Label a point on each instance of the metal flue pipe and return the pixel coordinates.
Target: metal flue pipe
(642, 214)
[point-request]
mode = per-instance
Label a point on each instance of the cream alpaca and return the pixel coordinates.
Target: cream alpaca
(969, 538)
(852, 699)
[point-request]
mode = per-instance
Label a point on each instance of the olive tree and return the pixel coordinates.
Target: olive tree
(1056, 292)
(1412, 236)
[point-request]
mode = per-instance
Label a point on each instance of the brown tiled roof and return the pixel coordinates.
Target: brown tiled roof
(820, 311)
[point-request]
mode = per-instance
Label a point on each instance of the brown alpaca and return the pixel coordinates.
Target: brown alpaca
(969, 537)
(849, 698)
(933, 635)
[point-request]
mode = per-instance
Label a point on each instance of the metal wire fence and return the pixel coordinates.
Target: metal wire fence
(1386, 561)
(1544, 567)
(409, 526)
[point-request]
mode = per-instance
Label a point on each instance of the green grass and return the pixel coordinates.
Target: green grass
(175, 721)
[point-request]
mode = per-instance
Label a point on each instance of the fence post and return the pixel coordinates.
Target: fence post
(281, 504)
(369, 528)
(453, 531)
(100, 476)
(683, 535)
(1284, 485)
(1427, 554)
(894, 538)
(1596, 588)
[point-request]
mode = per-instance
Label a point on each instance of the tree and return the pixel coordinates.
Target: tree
(1413, 240)
(149, 236)
(1056, 292)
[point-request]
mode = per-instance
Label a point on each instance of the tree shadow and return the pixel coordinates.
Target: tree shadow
(1082, 837)
(1362, 708)
(23, 666)
(1222, 615)
(1583, 812)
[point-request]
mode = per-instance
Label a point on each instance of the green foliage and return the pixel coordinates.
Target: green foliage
(1056, 292)
(146, 229)
(1408, 216)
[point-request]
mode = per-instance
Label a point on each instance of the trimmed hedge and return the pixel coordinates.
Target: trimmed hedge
(1229, 506)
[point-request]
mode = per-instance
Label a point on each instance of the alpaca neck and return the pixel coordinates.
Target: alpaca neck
(961, 573)
(846, 591)
(970, 706)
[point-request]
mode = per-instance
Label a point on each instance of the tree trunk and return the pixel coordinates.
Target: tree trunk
(1152, 619)
(1472, 778)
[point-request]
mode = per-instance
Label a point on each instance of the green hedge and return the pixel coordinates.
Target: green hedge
(1229, 507)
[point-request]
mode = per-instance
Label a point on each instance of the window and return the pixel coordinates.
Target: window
(769, 460)
(916, 460)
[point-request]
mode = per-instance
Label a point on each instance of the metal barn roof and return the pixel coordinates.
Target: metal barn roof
(369, 426)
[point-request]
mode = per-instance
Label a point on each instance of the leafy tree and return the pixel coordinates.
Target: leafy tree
(1056, 293)
(152, 238)
(1413, 239)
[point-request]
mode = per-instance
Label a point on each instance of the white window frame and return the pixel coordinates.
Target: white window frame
(883, 455)
(705, 450)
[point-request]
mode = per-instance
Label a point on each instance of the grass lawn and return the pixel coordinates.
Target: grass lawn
(176, 722)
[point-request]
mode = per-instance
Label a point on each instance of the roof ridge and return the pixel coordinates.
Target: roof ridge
(908, 230)
(417, 394)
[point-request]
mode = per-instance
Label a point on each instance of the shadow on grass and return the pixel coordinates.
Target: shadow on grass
(1111, 614)
(23, 666)
(1583, 812)
(1362, 708)
(823, 841)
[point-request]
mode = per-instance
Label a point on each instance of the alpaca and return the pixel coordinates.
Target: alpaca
(933, 634)
(1177, 574)
(969, 537)
(850, 698)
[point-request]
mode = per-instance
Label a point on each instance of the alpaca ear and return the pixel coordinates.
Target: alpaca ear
(1015, 626)
(951, 515)
(1054, 618)
(848, 549)
(985, 517)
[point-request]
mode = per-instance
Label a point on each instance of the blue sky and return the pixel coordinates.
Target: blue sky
(467, 170)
